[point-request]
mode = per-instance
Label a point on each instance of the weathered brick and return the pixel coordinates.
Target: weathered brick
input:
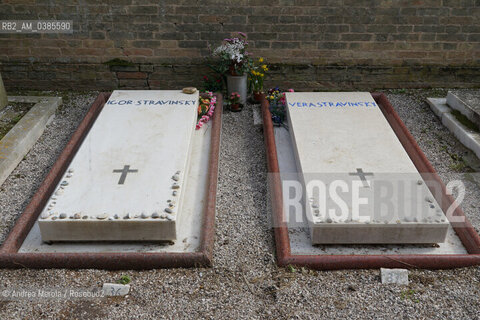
(165, 40)
(122, 68)
(131, 75)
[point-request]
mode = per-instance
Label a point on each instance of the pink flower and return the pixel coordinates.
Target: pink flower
(290, 90)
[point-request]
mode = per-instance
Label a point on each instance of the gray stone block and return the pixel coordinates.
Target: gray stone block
(115, 289)
(21, 138)
(394, 276)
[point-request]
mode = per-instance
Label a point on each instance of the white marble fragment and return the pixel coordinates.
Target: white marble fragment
(395, 276)
(115, 289)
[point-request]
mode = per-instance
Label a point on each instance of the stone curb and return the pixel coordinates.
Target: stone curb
(21, 138)
(467, 137)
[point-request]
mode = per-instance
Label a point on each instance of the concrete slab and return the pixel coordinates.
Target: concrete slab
(468, 103)
(126, 182)
(188, 236)
(21, 138)
(299, 232)
(342, 141)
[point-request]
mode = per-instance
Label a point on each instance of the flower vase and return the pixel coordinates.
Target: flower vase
(258, 96)
(236, 107)
(238, 84)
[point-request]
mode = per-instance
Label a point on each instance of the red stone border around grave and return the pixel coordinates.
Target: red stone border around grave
(465, 231)
(11, 258)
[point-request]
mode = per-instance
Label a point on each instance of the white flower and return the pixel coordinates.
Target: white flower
(232, 49)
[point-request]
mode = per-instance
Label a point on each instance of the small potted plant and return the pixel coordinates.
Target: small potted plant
(234, 102)
(234, 63)
(257, 75)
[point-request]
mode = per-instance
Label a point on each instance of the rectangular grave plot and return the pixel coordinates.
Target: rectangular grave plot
(326, 261)
(345, 136)
(126, 180)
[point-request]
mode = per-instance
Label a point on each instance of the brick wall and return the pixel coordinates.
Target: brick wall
(312, 44)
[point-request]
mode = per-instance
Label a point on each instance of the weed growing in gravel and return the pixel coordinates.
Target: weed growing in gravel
(409, 295)
(291, 269)
(457, 166)
(124, 279)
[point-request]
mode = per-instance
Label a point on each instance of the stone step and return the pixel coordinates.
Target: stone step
(467, 137)
(467, 102)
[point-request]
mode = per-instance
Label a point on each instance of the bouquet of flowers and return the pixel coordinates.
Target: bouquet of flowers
(233, 55)
(257, 74)
(277, 101)
(206, 106)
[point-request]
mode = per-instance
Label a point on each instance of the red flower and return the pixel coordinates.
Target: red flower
(205, 78)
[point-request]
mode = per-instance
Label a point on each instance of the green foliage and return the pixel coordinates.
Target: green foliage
(125, 279)
(291, 269)
(457, 166)
(409, 295)
(213, 83)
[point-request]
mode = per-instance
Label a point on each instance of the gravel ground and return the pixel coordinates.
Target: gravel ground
(245, 282)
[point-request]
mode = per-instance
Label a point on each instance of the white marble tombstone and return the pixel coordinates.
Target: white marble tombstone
(126, 181)
(359, 183)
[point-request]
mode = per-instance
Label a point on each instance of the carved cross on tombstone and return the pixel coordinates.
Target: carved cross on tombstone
(362, 175)
(126, 170)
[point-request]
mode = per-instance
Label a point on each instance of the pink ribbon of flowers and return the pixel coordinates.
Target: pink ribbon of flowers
(205, 118)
